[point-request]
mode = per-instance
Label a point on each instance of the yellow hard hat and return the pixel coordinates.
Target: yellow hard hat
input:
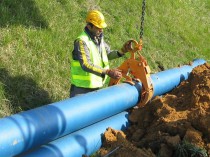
(96, 18)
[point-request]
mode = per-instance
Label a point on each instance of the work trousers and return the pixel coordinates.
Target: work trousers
(75, 91)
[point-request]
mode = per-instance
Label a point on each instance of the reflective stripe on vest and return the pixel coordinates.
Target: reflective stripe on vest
(81, 78)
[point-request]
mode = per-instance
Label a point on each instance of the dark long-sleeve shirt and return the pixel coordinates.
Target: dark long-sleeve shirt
(82, 54)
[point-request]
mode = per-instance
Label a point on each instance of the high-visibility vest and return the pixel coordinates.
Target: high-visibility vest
(81, 78)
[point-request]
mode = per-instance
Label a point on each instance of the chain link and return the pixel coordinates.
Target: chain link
(142, 19)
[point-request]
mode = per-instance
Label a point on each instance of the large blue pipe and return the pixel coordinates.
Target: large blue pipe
(167, 80)
(28, 129)
(83, 142)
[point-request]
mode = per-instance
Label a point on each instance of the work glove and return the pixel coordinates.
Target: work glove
(126, 47)
(114, 73)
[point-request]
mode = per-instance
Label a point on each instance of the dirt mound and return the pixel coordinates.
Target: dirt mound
(169, 124)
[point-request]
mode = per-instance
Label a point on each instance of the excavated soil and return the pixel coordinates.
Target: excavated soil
(159, 128)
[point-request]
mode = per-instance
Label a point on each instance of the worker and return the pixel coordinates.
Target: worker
(89, 63)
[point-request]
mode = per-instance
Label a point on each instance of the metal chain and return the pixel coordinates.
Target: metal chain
(142, 19)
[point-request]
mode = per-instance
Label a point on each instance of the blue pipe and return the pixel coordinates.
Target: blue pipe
(167, 80)
(35, 127)
(85, 141)
(32, 128)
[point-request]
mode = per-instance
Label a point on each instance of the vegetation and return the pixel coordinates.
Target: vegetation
(186, 149)
(36, 40)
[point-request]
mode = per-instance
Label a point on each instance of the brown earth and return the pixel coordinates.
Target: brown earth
(160, 128)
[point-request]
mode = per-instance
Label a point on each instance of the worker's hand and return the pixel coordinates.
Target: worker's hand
(114, 73)
(126, 47)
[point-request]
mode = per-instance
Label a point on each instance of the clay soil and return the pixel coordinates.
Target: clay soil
(167, 121)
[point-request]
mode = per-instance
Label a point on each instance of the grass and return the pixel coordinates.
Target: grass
(185, 149)
(36, 40)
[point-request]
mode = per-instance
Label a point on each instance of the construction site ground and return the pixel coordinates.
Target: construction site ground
(168, 123)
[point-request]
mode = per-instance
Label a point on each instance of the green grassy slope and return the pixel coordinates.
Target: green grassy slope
(36, 39)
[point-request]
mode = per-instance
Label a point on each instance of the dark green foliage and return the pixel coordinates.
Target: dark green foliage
(186, 149)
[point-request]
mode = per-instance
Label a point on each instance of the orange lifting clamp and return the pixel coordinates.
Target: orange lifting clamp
(136, 69)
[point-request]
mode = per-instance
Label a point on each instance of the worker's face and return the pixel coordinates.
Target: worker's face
(95, 30)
